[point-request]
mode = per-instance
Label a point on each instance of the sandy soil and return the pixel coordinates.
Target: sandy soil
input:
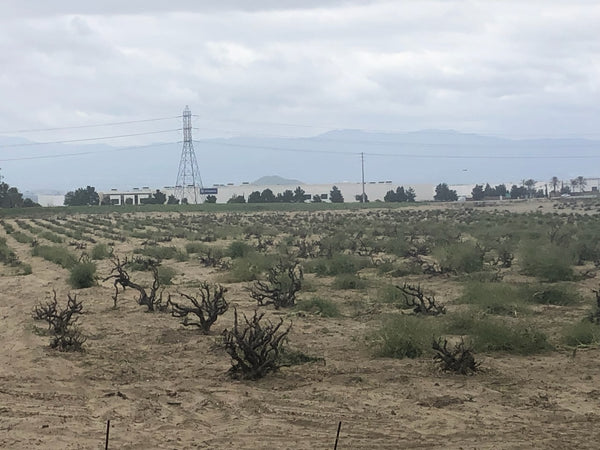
(164, 386)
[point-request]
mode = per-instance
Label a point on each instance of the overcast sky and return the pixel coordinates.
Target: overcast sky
(507, 68)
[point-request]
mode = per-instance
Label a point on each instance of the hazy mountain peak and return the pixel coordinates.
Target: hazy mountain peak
(275, 179)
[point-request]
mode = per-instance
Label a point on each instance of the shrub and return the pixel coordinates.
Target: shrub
(459, 359)
(463, 257)
(7, 256)
(319, 306)
(238, 249)
(62, 323)
(242, 270)
(56, 254)
(403, 336)
(400, 270)
(248, 268)
(581, 333)
(349, 281)
(166, 275)
(284, 280)
(152, 299)
(594, 315)
(495, 336)
(159, 253)
(496, 298)
(415, 298)
(7, 227)
(83, 275)
(207, 308)
(547, 262)
(256, 348)
(101, 251)
(21, 237)
(462, 322)
(196, 247)
(396, 246)
(338, 264)
(52, 237)
(561, 295)
(291, 357)
(388, 293)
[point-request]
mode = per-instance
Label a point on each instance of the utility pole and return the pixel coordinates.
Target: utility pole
(362, 165)
(189, 183)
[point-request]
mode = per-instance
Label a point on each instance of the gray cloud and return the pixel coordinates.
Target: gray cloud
(37, 8)
(510, 68)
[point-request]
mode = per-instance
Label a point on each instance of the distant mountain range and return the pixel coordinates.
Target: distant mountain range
(429, 156)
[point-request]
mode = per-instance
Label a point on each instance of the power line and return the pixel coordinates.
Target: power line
(282, 149)
(89, 152)
(74, 127)
(400, 155)
(516, 142)
(517, 136)
(68, 141)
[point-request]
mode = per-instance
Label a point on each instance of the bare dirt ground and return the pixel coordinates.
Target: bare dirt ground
(164, 386)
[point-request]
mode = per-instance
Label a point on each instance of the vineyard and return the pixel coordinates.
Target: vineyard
(452, 326)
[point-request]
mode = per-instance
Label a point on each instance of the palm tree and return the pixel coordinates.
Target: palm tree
(574, 184)
(582, 183)
(554, 182)
(530, 184)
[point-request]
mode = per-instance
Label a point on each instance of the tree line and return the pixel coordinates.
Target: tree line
(10, 197)
(298, 195)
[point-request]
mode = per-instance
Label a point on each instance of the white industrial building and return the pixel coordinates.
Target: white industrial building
(375, 190)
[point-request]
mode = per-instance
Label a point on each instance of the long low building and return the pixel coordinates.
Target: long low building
(375, 190)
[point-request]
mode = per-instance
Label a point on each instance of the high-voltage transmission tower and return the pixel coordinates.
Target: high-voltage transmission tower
(189, 183)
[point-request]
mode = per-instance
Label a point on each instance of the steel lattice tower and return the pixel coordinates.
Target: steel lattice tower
(189, 183)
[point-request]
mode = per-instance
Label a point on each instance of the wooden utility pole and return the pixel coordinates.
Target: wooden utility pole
(362, 165)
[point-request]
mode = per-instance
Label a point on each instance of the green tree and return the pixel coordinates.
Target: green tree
(401, 194)
(554, 182)
(28, 203)
(489, 191)
(255, 197)
(335, 195)
(565, 190)
(172, 200)
(316, 198)
(158, 198)
(581, 183)
(501, 190)
(10, 197)
(82, 197)
(530, 185)
(574, 184)
(237, 199)
(444, 194)
(299, 195)
(390, 196)
(267, 196)
(518, 191)
(286, 197)
(212, 199)
(477, 193)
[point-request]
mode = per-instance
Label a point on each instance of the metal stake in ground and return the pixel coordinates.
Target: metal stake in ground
(337, 436)
(108, 430)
